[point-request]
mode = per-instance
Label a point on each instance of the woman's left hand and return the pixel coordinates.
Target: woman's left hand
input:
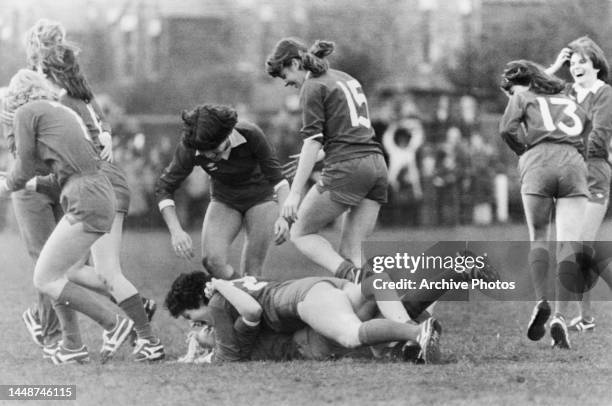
(281, 230)
(290, 207)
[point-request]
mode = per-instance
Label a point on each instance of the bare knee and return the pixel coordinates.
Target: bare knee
(217, 266)
(349, 338)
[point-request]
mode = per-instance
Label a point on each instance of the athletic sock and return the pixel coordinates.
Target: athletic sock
(538, 264)
(345, 270)
(378, 331)
(134, 309)
(69, 322)
(79, 299)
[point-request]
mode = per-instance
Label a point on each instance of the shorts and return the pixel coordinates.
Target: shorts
(599, 174)
(118, 181)
(242, 198)
(245, 205)
(281, 302)
(352, 180)
(89, 199)
(553, 170)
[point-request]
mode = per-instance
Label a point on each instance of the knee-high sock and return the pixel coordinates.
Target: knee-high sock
(132, 306)
(539, 260)
(81, 300)
(378, 331)
(69, 321)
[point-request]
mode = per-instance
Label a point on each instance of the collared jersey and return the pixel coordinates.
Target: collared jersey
(598, 102)
(335, 113)
(530, 119)
(49, 132)
(251, 167)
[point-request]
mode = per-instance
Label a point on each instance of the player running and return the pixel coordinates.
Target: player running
(245, 176)
(335, 118)
(589, 69)
(48, 133)
(553, 176)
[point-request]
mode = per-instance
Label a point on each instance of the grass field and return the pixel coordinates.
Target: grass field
(487, 360)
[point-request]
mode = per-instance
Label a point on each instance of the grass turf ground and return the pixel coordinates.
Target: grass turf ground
(487, 358)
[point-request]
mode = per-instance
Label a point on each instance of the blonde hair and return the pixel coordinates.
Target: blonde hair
(41, 39)
(27, 85)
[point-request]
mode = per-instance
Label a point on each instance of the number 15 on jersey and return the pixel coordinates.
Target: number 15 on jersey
(356, 101)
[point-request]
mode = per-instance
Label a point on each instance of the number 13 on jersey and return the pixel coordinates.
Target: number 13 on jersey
(569, 110)
(356, 101)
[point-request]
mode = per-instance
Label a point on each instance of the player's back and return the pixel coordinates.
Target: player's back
(547, 118)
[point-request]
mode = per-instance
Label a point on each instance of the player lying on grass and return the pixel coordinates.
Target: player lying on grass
(304, 344)
(332, 307)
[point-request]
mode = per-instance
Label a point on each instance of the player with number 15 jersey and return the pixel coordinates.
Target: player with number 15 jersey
(335, 118)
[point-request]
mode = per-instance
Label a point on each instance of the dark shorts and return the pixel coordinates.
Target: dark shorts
(89, 199)
(351, 181)
(243, 206)
(281, 302)
(243, 198)
(553, 170)
(118, 180)
(599, 180)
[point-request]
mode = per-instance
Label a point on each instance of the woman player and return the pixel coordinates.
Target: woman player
(46, 132)
(58, 61)
(335, 118)
(589, 69)
(245, 176)
(326, 304)
(553, 175)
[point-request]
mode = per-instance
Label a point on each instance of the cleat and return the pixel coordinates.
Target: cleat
(150, 307)
(112, 340)
(536, 329)
(487, 273)
(49, 350)
(410, 351)
(581, 325)
(34, 326)
(559, 334)
(63, 355)
(148, 350)
(429, 341)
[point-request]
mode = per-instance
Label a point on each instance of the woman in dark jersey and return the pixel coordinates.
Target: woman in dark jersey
(548, 131)
(245, 176)
(589, 69)
(335, 118)
(48, 133)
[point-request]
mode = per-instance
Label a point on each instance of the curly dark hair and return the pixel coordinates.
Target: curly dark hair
(206, 126)
(312, 59)
(527, 73)
(187, 292)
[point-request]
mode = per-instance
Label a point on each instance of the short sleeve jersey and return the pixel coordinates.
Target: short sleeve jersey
(335, 113)
(546, 118)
